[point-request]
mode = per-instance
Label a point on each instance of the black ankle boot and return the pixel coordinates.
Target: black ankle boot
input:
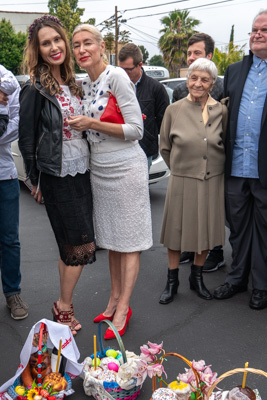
(171, 287)
(197, 284)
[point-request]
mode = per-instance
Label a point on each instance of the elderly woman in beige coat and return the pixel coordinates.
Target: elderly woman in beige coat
(192, 145)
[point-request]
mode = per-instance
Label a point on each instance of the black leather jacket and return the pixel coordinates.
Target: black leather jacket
(40, 131)
(153, 100)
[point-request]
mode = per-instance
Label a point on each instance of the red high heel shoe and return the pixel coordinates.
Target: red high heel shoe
(101, 317)
(111, 335)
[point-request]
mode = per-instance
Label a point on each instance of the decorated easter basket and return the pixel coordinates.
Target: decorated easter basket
(37, 371)
(212, 395)
(102, 390)
(59, 395)
(19, 382)
(156, 380)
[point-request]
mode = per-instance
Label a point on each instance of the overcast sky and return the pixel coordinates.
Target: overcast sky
(216, 16)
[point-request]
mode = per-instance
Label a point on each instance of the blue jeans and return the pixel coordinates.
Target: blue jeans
(9, 236)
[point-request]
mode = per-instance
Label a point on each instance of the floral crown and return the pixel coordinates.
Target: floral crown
(39, 21)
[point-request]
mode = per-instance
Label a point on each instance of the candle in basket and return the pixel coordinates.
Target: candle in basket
(57, 357)
(245, 376)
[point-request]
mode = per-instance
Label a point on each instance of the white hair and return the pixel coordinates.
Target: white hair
(203, 64)
(259, 13)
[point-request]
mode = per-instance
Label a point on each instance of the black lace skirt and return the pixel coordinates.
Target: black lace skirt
(69, 206)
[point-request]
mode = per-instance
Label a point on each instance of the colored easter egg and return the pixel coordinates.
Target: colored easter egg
(111, 353)
(97, 362)
(20, 390)
(113, 366)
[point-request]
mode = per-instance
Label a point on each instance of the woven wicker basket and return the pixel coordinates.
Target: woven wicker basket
(232, 372)
(94, 387)
(154, 379)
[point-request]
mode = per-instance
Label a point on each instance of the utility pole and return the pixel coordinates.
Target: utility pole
(116, 35)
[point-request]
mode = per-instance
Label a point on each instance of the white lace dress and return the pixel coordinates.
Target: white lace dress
(119, 171)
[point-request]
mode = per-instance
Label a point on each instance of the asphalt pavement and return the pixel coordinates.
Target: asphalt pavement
(225, 334)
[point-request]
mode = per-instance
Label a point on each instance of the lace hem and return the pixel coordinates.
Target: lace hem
(76, 166)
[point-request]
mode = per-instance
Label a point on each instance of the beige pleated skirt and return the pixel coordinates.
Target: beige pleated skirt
(193, 218)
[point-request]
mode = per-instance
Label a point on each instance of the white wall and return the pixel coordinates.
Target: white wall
(20, 20)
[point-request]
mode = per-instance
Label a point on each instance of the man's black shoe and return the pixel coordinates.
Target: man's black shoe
(227, 290)
(258, 299)
(214, 261)
(186, 256)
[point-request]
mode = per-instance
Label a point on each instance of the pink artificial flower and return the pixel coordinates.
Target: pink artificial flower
(141, 373)
(146, 354)
(155, 348)
(199, 365)
(208, 377)
(155, 370)
(187, 377)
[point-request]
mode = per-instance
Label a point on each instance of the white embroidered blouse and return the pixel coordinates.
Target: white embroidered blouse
(75, 150)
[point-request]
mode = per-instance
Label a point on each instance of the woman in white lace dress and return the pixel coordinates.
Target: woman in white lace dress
(119, 172)
(56, 156)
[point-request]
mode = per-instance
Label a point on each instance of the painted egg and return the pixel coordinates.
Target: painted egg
(113, 366)
(111, 353)
(97, 362)
(20, 390)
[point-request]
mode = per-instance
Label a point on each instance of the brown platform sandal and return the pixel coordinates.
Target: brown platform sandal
(75, 322)
(64, 318)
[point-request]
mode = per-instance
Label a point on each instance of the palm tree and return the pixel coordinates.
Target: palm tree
(178, 27)
(230, 55)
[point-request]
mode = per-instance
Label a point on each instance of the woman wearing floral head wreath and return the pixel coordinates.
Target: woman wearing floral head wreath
(56, 156)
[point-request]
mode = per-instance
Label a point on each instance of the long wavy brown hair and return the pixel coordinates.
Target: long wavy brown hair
(36, 67)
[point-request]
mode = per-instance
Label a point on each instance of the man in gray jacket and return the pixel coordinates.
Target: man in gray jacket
(9, 209)
(201, 45)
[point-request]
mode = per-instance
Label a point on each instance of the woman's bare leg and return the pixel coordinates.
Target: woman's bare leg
(69, 277)
(130, 263)
(115, 276)
(199, 259)
(173, 258)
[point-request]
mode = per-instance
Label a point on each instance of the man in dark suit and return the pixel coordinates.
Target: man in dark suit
(245, 84)
(151, 95)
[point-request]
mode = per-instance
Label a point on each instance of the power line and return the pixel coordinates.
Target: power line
(184, 9)
(138, 31)
(156, 5)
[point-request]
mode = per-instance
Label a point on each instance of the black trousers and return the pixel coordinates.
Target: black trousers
(246, 212)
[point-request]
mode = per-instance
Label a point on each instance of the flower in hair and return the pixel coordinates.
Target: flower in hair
(39, 21)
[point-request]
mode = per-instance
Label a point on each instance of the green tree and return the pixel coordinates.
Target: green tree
(229, 56)
(108, 30)
(231, 41)
(68, 12)
(124, 37)
(145, 53)
(178, 27)
(11, 47)
(109, 37)
(157, 60)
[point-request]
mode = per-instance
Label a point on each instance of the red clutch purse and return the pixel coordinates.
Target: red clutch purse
(112, 112)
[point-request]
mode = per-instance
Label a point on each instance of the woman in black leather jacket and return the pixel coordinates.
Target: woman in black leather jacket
(57, 156)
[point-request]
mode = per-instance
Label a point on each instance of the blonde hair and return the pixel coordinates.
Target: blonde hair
(95, 32)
